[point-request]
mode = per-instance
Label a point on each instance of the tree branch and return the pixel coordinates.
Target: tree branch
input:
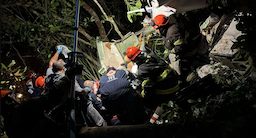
(95, 62)
(110, 19)
(9, 42)
(19, 55)
(80, 29)
(15, 4)
(97, 21)
(79, 39)
(18, 17)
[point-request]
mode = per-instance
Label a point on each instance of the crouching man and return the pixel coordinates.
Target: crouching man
(119, 97)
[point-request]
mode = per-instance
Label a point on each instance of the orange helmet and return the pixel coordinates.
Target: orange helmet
(4, 92)
(40, 81)
(132, 52)
(159, 20)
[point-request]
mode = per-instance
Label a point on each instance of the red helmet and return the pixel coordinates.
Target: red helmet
(159, 20)
(132, 52)
(4, 92)
(40, 81)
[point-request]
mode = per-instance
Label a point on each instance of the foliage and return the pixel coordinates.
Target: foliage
(247, 26)
(44, 25)
(131, 6)
(87, 20)
(230, 113)
(227, 113)
(10, 75)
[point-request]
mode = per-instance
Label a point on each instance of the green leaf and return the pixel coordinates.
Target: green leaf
(112, 16)
(134, 8)
(49, 55)
(68, 4)
(3, 66)
(170, 104)
(25, 69)
(170, 116)
(53, 28)
(92, 19)
(43, 51)
(134, 18)
(33, 44)
(138, 13)
(129, 18)
(138, 4)
(199, 100)
(192, 101)
(16, 26)
(196, 112)
(81, 2)
(11, 64)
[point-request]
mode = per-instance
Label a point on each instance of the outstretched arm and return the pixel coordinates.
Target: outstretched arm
(56, 55)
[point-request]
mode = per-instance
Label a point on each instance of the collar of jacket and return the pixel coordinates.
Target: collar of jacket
(163, 29)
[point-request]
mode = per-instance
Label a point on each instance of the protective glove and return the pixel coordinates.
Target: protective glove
(87, 88)
(60, 49)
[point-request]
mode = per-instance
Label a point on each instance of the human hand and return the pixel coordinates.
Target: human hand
(59, 48)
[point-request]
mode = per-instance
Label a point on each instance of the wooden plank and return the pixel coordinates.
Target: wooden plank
(129, 131)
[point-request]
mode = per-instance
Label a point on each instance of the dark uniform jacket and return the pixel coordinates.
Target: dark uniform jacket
(157, 76)
(179, 41)
(180, 37)
(119, 97)
(115, 85)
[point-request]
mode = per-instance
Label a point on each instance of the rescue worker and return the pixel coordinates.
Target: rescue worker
(120, 98)
(30, 83)
(159, 80)
(56, 70)
(93, 95)
(40, 81)
(26, 119)
(39, 86)
(94, 105)
(181, 39)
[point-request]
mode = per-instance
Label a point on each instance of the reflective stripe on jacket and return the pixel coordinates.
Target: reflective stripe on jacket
(161, 77)
(168, 91)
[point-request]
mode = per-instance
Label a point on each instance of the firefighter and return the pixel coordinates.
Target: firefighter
(159, 80)
(39, 86)
(120, 98)
(181, 38)
(56, 69)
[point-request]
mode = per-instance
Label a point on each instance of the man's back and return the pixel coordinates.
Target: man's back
(52, 78)
(115, 82)
(119, 97)
(152, 67)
